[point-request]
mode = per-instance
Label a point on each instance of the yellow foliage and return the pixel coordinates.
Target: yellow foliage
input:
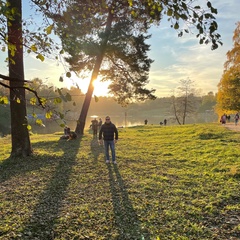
(49, 29)
(3, 100)
(12, 49)
(39, 122)
(48, 114)
(33, 101)
(34, 48)
(40, 56)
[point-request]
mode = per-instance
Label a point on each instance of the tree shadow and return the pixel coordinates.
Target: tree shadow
(42, 222)
(126, 219)
(13, 166)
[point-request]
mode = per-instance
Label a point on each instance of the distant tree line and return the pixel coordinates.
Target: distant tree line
(66, 112)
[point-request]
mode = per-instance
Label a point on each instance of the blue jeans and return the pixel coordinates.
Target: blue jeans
(112, 147)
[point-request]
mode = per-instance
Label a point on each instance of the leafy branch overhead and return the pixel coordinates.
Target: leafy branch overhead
(194, 16)
(47, 103)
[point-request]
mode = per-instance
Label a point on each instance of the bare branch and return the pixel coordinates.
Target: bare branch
(13, 79)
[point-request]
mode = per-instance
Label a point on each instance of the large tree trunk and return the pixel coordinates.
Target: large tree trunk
(21, 145)
(83, 115)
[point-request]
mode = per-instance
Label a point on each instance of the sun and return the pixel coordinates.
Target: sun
(100, 88)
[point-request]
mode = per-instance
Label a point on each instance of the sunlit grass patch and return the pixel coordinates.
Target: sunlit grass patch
(173, 182)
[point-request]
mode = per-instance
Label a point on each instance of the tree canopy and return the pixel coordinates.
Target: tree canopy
(107, 38)
(229, 86)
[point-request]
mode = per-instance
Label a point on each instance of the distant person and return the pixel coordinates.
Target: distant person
(99, 123)
(72, 136)
(165, 122)
(236, 119)
(223, 119)
(106, 133)
(67, 131)
(145, 121)
(228, 118)
(161, 123)
(95, 127)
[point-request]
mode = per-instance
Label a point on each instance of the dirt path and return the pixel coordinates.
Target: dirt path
(233, 127)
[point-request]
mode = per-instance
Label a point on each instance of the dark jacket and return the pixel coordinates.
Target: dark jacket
(108, 130)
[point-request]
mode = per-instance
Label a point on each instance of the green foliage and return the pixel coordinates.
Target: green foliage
(37, 41)
(176, 182)
(120, 43)
(116, 31)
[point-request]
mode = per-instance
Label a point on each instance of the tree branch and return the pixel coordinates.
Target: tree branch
(12, 79)
(40, 103)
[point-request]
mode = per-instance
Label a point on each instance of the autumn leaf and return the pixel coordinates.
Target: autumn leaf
(96, 98)
(4, 100)
(57, 100)
(49, 29)
(48, 114)
(34, 48)
(68, 74)
(33, 101)
(40, 56)
(39, 122)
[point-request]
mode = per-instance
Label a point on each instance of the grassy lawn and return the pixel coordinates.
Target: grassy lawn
(174, 182)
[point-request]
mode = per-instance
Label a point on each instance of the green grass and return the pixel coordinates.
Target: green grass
(174, 182)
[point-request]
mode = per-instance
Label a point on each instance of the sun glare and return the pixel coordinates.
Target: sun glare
(100, 88)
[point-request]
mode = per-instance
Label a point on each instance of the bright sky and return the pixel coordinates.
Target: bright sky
(174, 58)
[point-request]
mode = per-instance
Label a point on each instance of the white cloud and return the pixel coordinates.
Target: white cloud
(181, 58)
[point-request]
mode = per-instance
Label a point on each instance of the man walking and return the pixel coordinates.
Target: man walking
(107, 130)
(95, 127)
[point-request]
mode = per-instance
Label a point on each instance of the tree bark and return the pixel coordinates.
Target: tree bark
(83, 115)
(21, 145)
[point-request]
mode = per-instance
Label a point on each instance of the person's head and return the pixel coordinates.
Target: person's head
(107, 119)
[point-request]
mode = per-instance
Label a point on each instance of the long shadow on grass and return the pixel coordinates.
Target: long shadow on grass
(19, 166)
(126, 219)
(45, 214)
(96, 149)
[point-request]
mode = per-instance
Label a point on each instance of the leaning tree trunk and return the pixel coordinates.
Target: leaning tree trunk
(83, 115)
(86, 104)
(21, 145)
